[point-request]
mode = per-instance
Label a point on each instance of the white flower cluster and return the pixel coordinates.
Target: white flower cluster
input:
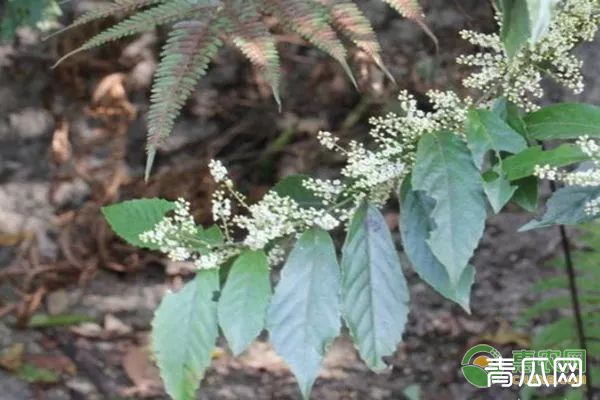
(519, 77)
(275, 217)
(171, 232)
(375, 173)
(176, 235)
(587, 177)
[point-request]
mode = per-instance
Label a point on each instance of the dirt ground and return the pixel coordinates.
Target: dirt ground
(71, 140)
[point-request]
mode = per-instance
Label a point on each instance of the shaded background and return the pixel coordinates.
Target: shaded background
(72, 140)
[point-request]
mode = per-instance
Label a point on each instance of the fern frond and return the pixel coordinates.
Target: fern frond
(347, 18)
(185, 58)
(563, 331)
(143, 21)
(107, 10)
(255, 41)
(311, 22)
(412, 10)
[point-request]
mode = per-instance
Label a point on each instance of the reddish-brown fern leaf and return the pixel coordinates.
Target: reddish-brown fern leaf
(185, 58)
(411, 9)
(311, 22)
(347, 18)
(250, 34)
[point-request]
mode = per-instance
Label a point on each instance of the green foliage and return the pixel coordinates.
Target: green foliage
(201, 26)
(184, 332)
(444, 171)
(566, 207)
(39, 14)
(498, 189)
(486, 131)
(292, 187)
(415, 226)
(304, 316)
(557, 301)
(374, 292)
(134, 217)
(526, 194)
(522, 165)
(564, 121)
(524, 21)
(244, 300)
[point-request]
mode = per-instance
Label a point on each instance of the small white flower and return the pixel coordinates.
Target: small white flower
(327, 139)
(218, 171)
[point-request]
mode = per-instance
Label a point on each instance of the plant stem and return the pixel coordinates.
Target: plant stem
(574, 292)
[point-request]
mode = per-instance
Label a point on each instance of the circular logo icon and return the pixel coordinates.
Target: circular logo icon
(474, 363)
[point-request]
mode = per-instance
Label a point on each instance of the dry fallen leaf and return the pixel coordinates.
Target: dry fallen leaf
(505, 335)
(12, 358)
(142, 372)
(56, 363)
(13, 239)
(61, 146)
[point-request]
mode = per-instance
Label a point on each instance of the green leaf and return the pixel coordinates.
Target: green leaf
(134, 217)
(564, 121)
(304, 315)
(206, 238)
(515, 31)
(244, 300)
(498, 189)
(526, 195)
(540, 16)
(415, 225)
(48, 321)
(566, 207)
(374, 292)
(510, 114)
(444, 170)
(184, 332)
(292, 186)
(487, 131)
(523, 164)
(555, 333)
(524, 21)
(34, 374)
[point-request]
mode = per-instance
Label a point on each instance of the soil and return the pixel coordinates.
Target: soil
(72, 140)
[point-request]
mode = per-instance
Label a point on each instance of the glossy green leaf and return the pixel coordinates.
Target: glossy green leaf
(526, 195)
(564, 121)
(523, 164)
(184, 332)
(498, 189)
(304, 315)
(486, 131)
(566, 207)
(131, 218)
(444, 170)
(244, 300)
(374, 292)
(415, 225)
(292, 187)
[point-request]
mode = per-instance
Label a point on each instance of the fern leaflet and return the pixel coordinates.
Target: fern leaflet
(185, 58)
